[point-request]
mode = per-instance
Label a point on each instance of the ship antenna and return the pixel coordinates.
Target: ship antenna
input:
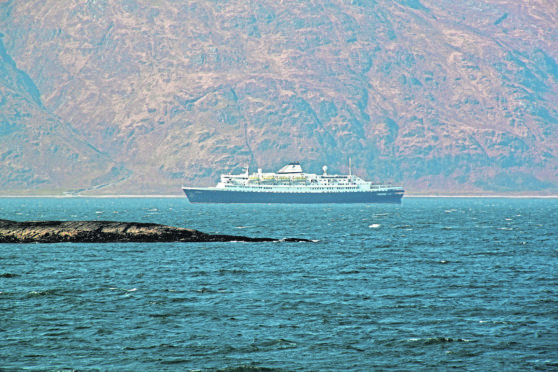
(349, 166)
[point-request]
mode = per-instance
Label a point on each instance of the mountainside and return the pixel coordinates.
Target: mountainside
(38, 152)
(140, 96)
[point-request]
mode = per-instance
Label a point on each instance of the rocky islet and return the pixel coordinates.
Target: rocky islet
(111, 231)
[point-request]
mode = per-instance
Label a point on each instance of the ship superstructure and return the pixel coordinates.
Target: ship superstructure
(291, 185)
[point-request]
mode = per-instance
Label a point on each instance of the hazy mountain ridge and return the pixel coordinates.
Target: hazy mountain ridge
(37, 150)
(435, 95)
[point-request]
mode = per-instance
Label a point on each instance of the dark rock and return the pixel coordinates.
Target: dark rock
(8, 275)
(110, 231)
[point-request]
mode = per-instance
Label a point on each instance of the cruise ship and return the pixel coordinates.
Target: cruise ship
(291, 185)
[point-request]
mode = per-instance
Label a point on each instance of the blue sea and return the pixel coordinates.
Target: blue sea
(433, 284)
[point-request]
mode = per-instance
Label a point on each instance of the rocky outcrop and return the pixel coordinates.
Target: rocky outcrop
(109, 232)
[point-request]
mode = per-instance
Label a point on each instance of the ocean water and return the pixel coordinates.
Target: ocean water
(432, 284)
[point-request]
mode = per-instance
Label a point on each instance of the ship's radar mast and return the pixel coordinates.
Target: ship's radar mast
(324, 168)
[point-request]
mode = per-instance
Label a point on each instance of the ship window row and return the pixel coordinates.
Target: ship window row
(312, 188)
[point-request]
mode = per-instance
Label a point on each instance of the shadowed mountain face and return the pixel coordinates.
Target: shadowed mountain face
(141, 96)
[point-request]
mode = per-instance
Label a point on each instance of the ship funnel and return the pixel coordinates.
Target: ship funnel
(324, 168)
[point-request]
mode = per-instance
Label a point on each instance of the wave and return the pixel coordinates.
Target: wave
(233, 271)
(279, 343)
(245, 368)
(436, 340)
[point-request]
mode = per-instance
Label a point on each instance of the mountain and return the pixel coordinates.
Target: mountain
(441, 96)
(38, 152)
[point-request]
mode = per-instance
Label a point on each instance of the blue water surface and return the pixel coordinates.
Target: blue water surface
(431, 284)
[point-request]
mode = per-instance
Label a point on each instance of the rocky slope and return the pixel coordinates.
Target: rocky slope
(38, 151)
(441, 96)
